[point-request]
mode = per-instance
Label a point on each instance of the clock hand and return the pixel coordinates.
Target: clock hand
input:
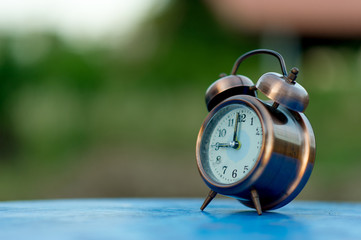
(219, 145)
(235, 143)
(235, 128)
(223, 144)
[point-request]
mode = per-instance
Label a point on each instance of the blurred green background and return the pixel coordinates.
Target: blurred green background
(118, 116)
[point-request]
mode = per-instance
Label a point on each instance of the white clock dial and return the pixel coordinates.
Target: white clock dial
(231, 143)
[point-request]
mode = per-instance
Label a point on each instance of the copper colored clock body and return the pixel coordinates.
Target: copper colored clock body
(284, 163)
(259, 152)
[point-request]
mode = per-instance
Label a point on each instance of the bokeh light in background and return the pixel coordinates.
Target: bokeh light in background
(93, 20)
(105, 98)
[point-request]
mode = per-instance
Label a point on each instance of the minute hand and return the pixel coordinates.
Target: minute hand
(236, 128)
(235, 143)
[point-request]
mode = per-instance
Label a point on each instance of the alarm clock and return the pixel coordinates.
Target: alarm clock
(259, 152)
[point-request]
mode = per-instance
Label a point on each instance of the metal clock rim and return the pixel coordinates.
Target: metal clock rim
(262, 159)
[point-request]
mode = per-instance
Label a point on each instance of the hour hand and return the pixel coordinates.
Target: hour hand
(220, 145)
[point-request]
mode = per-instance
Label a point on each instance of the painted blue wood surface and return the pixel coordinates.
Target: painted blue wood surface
(175, 219)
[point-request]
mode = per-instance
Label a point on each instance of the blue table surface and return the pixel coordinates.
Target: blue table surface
(175, 219)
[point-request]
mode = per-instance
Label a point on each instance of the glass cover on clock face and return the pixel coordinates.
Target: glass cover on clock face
(231, 143)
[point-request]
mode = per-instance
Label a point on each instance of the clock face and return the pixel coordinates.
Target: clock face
(231, 143)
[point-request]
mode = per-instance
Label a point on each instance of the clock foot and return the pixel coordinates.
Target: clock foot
(209, 198)
(256, 202)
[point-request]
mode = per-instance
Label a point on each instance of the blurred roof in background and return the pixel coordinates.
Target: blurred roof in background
(312, 18)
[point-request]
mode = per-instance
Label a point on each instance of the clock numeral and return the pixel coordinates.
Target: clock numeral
(258, 132)
(245, 168)
(224, 169)
(216, 146)
(242, 118)
(251, 121)
(218, 159)
(222, 132)
(230, 122)
(234, 173)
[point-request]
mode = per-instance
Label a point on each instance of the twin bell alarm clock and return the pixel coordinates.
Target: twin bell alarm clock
(260, 152)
